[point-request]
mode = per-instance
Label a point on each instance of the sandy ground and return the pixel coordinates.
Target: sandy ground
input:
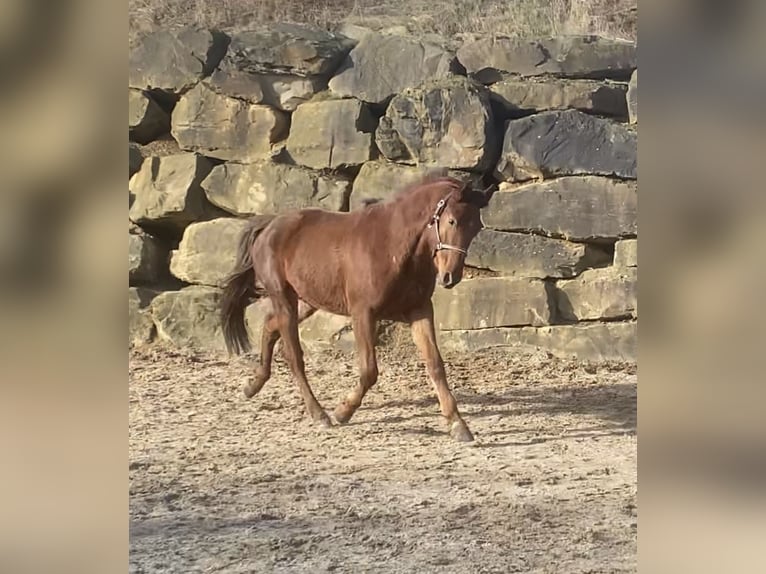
(222, 484)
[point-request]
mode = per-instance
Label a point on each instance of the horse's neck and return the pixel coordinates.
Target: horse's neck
(408, 221)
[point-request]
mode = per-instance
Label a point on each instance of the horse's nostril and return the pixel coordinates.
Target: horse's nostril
(447, 279)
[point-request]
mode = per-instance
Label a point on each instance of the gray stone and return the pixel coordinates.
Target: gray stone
(282, 65)
(632, 98)
(381, 180)
(579, 208)
(525, 255)
(167, 190)
(492, 302)
(614, 341)
(381, 66)
(190, 317)
(552, 144)
(490, 59)
(226, 128)
(287, 49)
(525, 95)
(147, 259)
(140, 325)
(626, 253)
(174, 60)
(445, 122)
(146, 119)
(135, 159)
(269, 188)
(208, 251)
(331, 134)
(607, 293)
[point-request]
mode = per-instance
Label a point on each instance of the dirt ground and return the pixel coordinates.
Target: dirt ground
(219, 483)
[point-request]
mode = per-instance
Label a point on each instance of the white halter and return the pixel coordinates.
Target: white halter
(435, 224)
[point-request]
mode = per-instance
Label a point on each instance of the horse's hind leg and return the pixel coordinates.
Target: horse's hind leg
(286, 317)
(365, 335)
(269, 338)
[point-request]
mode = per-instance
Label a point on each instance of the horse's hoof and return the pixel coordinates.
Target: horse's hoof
(249, 391)
(323, 421)
(342, 415)
(459, 431)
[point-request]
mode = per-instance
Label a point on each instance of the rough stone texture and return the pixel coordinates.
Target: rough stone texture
(147, 259)
(208, 251)
(269, 188)
(518, 96)
(578, 208)
(381, 66)
(607, 293)
(167, 190)
(492, 302)
(140, 325)
(146, 119)
(381, 180)
(571, 142)
(490, 59)
(135, 159)
(174, 60)
(319, 332)
(289, 49)
(226, 128)
(626, 253)
(282, 92)
(331, 134)
(524, 255)
(282, 65)
(445, 122)
(588, 342)
(632, 98)
(190, 317)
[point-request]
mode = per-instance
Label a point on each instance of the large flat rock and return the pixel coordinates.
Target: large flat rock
(331, 134)
(190, 317)
(607, 293)
(226, 128)
(492, 302)
(614, 341)
(282, 65)
(493, 58)
(522, 96)
(555, 144)
(381, 66)
(174, 60)
(167, 190)
(527, 255)
(626, 253)
(266, 187)
(208, 251)
(579, 208)
(445, 122)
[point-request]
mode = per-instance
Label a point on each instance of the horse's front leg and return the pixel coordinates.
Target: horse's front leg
(365, 333)
(424, 335)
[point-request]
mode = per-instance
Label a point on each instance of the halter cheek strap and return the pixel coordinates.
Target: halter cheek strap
(435, 224)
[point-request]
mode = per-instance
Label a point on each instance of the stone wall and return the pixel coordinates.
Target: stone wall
(286, 116)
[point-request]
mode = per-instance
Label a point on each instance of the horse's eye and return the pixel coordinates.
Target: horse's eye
(451, 221)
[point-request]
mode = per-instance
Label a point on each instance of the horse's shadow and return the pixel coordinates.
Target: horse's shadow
(613, 404)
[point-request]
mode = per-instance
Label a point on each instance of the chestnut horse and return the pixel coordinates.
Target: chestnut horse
(379, 262)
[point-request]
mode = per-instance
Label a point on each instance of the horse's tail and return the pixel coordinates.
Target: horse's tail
(239, 290)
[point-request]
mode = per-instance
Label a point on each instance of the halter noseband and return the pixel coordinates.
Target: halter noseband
(435, 224)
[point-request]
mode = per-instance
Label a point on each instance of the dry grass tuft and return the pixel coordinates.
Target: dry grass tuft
(611, 18)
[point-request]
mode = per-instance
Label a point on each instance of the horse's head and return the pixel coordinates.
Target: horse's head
(455, 223)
